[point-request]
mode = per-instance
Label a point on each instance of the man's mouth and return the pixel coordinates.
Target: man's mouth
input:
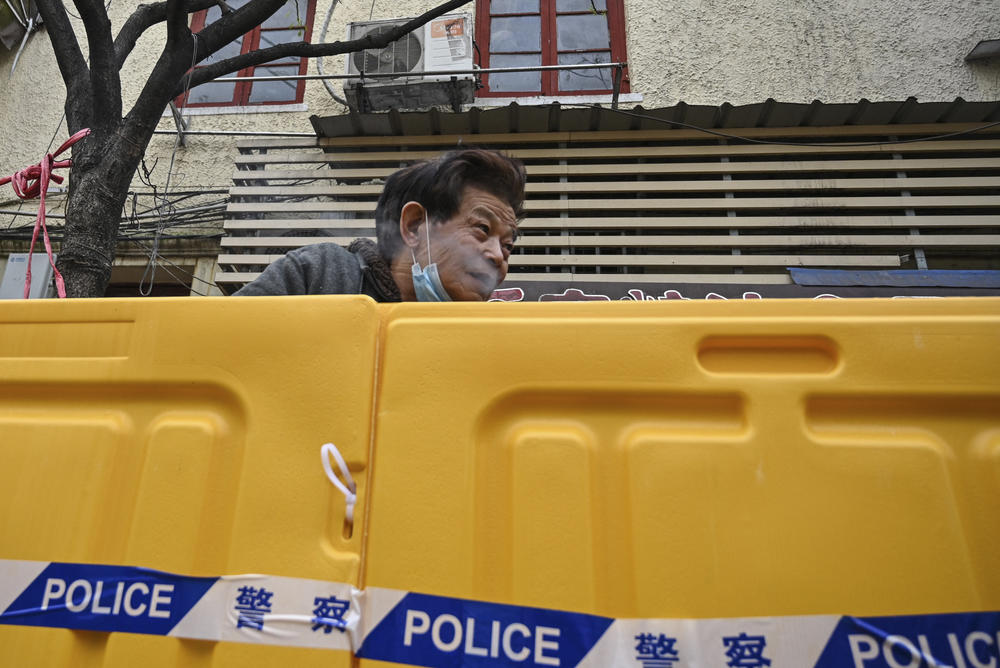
(487, 279)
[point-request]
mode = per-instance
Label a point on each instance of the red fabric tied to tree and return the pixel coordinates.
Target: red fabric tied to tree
(33, 182)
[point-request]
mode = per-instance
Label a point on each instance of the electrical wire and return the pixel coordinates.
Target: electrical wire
(319, 61)
(151, 266)
(161, 260)
(205, 214)
(23, 233)
(175, 202)
(185, 271)
(752, 140)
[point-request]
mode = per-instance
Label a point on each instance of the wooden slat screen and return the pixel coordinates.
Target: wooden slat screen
(657, 206)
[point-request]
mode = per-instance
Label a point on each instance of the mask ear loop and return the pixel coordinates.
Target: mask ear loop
(427, 230)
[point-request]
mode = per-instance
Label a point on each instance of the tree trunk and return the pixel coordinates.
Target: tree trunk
(99, 185)
(105, 162)
(90, 236)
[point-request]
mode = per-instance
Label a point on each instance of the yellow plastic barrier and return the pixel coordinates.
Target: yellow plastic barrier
(693, 459)
(181, 435)
(679, 460)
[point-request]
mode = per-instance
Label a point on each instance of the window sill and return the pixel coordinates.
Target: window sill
(549, 99)
(257, 109)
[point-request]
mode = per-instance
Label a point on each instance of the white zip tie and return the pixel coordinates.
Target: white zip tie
(349, 489)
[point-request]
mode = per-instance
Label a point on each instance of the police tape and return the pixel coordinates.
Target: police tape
(426, 630)
(242, 608)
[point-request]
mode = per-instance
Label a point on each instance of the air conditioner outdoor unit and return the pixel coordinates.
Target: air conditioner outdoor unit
(444, 43)
(16, 271)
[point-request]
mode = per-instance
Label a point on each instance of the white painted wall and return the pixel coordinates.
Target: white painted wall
(745, 51)
(698, 51)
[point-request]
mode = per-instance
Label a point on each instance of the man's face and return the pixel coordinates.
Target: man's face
(471, 248)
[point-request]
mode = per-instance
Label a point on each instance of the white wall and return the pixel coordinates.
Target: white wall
(745, 51)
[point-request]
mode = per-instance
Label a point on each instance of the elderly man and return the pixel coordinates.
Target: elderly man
(445, 231)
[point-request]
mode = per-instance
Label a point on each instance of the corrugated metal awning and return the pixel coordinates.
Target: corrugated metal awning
(557, 118)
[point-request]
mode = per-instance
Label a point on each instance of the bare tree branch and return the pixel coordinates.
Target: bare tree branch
(178, 33)
(231, 26)
(145, 17)
(67, 50)
(176, 58)
(72, 66)
(260, 56)
(174, 61)
(105, 84)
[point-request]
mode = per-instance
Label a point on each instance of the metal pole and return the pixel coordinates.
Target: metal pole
(237, 133)
(397, 75)
(617, 85)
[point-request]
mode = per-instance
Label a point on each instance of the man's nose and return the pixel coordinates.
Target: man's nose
(494, 251)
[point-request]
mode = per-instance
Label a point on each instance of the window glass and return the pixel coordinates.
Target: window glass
(292, 13)
(517, 33)
(516, 81)
(514, 7)
(290, 23)
(214, 13)
(269, 38)
(551, 32)
(274, 37)
(585, 79)
(582, 31)
(230, 50)
(274, 91)
(581, 5)
(213, 91)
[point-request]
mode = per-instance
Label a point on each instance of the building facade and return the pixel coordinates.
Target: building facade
(645, 181)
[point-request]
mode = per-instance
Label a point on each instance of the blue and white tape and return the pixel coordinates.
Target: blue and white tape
(425, 630)
(243, 608)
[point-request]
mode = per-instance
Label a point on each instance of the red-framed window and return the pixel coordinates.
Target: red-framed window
(293, 22)
(522, 33)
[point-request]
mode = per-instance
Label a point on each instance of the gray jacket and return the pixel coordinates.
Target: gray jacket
(323, 269)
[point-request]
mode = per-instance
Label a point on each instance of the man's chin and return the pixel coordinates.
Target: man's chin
(479, 296)
(485, 284)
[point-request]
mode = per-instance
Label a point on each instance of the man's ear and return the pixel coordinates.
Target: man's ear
(410, 219)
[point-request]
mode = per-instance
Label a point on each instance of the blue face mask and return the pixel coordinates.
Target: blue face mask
(426, 283)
